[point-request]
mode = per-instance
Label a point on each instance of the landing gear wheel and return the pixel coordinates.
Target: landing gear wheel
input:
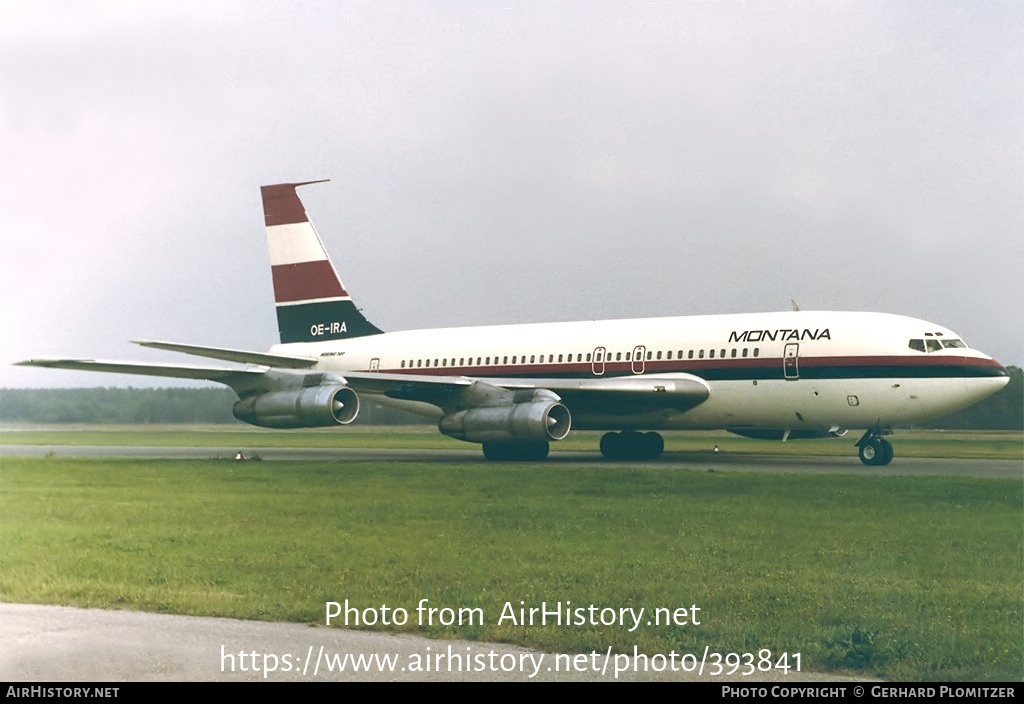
(654, 445)
(876, 452)
(516, 451)
(630, 445)
(611, 444)
(867, 452)
(887, 453)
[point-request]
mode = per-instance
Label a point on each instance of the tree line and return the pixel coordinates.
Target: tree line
(1002, 411)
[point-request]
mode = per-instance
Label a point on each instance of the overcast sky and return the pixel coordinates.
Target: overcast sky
(505, 162)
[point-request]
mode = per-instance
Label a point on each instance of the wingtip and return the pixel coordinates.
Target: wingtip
(46, 362)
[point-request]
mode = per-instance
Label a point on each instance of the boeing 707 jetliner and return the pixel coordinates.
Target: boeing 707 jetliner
(516, 388)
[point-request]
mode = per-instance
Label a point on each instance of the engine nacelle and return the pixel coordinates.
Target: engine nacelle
(532, 421)
(315, 407)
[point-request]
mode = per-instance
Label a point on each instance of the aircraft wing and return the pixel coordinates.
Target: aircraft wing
(241, 356)
(599, 396)
(237, 379)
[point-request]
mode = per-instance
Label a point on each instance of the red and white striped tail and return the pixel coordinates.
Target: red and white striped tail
(312, 303)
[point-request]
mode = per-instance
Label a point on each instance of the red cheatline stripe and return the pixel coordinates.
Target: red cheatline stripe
(912, 360)
(305, 281)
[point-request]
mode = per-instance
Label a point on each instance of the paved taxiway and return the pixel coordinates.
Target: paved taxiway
(701, 461)
(63, 644)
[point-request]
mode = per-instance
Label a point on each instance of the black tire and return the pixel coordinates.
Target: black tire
(653, 446)
(876, 452)
(630, 445)
(516, 451)
(611, 446)
(868, 452)
(886, 453)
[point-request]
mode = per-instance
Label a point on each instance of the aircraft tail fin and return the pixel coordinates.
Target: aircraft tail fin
(312, 303)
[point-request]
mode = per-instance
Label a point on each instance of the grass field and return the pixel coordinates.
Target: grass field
(908, 578)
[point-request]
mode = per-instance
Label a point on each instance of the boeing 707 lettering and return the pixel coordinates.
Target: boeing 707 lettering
(515, 389)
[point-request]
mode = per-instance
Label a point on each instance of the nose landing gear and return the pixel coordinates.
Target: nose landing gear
(873, 449)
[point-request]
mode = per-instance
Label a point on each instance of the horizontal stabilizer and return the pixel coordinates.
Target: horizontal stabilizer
(241, 356)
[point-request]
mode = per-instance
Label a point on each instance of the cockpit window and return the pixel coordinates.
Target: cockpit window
(931, 344)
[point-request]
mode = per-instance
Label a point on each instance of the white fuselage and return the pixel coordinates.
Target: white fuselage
(795, 371)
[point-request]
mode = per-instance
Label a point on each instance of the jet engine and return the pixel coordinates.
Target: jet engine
(315, 407)
(531, 421)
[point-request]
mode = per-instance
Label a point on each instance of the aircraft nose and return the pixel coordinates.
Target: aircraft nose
(1000, 375)
(1005, 374)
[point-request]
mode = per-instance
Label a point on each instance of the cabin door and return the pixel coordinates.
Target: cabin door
(790, 365)
(597, 361)
(638, 361)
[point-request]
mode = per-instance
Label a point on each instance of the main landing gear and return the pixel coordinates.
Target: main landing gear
(874, 450)
(516, 451)
(631, 445)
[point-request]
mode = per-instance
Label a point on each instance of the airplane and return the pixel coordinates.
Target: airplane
(515, 389)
